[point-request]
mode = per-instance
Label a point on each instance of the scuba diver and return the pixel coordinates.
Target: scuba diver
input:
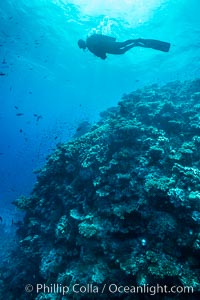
(100, 45)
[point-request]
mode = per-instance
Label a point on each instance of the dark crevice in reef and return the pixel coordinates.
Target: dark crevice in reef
(117, 205)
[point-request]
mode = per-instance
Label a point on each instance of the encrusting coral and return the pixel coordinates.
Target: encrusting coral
(119, 204)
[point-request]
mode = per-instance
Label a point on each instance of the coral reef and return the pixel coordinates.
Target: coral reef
(118, 205)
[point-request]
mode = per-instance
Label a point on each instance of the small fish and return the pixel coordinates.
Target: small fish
(13, 222)
(16, 107)
(19, 114)
(82, 128)
(2, 74)
(21, 130)
(1, 220)
(38, 118)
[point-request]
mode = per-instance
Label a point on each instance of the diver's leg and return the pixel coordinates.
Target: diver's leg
(128, 42)
(122, 47)
(154, 44)
(125, 49)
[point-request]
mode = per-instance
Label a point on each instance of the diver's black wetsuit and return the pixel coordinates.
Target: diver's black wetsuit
(102, 44)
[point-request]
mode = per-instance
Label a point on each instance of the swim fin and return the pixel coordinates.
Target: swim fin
(155, 44)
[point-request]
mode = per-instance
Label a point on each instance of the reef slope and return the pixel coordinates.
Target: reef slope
(118, 205)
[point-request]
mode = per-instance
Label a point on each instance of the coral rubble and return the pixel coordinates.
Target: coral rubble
(119, 205)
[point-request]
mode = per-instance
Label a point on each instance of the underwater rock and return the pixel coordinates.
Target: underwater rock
(119, 204)
(82, 128)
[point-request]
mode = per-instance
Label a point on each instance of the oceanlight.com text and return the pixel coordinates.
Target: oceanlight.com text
(107, 288)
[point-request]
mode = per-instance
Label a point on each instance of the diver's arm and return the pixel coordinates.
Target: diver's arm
(103, 56)
(98, 52)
